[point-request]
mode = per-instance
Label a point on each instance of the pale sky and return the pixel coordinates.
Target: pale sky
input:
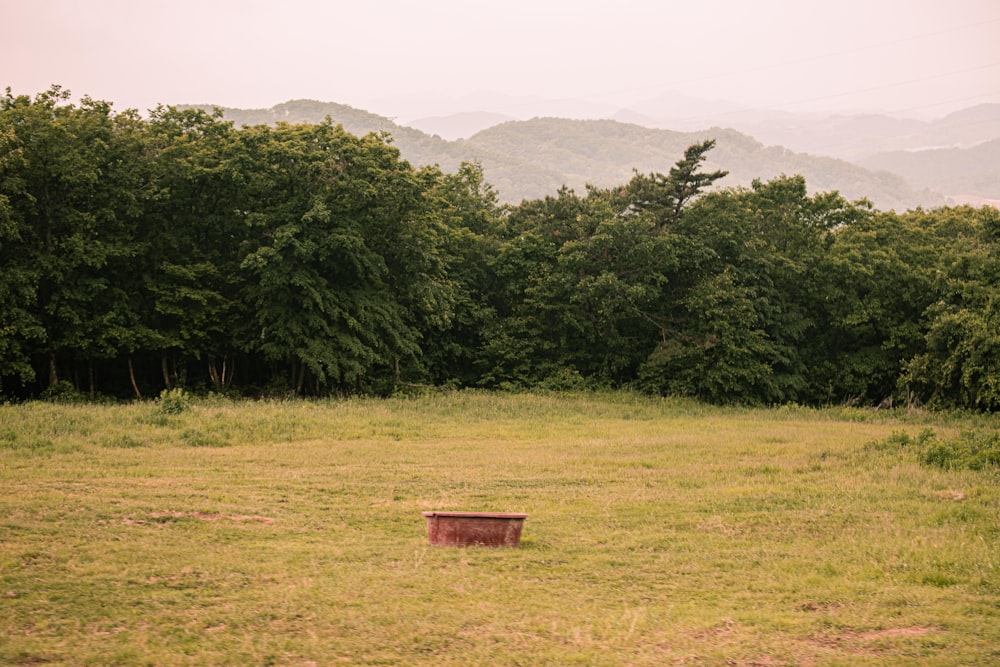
(903, 57)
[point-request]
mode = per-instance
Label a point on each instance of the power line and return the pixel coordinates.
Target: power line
(829, 148)
(848, 93)
(889, 85)
(799, 61)
(843, 52)
(944, 102)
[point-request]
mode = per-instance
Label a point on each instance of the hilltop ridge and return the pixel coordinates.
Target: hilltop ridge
(529, 159)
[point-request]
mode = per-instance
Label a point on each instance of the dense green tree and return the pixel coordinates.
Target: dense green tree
(329, 267)
(72, 209)
(960, 364)
(521, 344)
(881, 284)
(758, 262)
(181, 250)
(464, 211)
(20, 326)
(667, 195)
(193, 233)
(612, 282)
(593, 282)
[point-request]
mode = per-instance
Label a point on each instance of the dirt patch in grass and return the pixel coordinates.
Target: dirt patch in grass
(853, 640)
(949, 494)
(896, 632)
(827, 607)
(172, 515)
(725, 627)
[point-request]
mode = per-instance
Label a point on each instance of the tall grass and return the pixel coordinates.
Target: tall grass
(659, 532)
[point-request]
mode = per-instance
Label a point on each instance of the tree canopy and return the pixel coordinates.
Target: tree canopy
(142, 254)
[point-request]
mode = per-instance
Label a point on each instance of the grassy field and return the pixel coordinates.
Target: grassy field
(660, 532)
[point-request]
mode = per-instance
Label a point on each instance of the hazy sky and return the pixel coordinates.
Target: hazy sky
(907, 57)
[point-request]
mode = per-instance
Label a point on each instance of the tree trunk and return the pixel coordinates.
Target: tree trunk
(131, 376)
(302, 380)
(165, 368)
(90, 379)
(53, 373)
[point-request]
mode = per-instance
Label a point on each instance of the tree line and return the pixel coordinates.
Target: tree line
(143, 254)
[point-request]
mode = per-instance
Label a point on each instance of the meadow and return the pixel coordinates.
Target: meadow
(660, 532)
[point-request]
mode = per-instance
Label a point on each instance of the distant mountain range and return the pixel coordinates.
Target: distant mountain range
(861, 136)
(538, 156)
(849, 136)
(970, 175)
(532, 158)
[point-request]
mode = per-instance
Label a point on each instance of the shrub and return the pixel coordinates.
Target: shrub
(173, 401)
(63, 392)
(565, 379)
(972, 450)
(901, 440)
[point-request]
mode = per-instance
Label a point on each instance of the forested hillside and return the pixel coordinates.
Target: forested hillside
(301, 259)
(531, 159)
(961, 171)
(605, 152)
(856, 137)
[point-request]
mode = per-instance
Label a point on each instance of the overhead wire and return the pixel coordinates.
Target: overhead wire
(799, 61)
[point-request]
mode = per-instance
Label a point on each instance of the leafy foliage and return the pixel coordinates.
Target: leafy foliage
(972, 450)
(173, 401)
(182, 252)
(959, 365)
(329, 217)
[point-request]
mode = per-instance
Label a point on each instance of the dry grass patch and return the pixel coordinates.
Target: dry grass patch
(659, 532)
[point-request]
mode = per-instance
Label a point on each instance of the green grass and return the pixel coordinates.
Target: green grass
(660, 532)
